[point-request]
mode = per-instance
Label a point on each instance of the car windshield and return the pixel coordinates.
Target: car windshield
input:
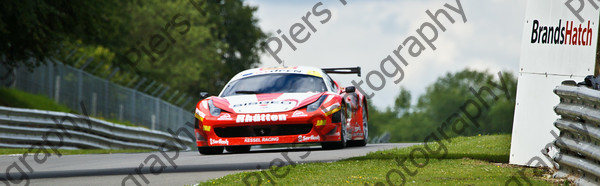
(275, 83)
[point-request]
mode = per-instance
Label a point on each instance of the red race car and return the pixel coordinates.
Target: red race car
(282, 105)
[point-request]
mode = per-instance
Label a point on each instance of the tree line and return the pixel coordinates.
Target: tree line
(408, 122)
(189, 45)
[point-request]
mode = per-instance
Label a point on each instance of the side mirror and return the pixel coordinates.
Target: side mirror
(350, 89)
(204, 95)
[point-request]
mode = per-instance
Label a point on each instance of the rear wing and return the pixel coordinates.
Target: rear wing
(349, 70)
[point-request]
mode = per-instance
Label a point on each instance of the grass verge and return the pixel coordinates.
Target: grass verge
(10, 97)
(15, 98)
(477, 160)
(6, 151)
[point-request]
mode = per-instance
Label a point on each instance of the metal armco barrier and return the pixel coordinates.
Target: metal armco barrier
(579, 139)
(22, 128)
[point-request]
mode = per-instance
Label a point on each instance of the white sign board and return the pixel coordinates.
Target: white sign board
(559, 43)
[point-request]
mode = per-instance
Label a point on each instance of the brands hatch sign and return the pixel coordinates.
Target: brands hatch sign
(559, 42)
(564, 33)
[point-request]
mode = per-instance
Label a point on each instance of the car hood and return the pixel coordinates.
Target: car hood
(265, 103)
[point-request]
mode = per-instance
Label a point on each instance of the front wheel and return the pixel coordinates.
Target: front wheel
(334, 145)
(338, 144)
(210, 150)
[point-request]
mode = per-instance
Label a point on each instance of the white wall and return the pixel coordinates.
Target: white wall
(542, 68)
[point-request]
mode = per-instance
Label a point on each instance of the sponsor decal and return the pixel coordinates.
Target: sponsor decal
(251, 140)
(258, 140)
(273, 139)
(314, 73)
(225, 116)
(332, 109)
(299, 114)
(321, 122)
(219, 142)
(309, 138)
(567, 34)
(279, 70)
(264, 103)
(246, 118)
(200, 113)
(206, 128)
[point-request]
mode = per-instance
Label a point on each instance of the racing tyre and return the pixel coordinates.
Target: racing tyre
(238, 149)
(340, 144)
(210, 150)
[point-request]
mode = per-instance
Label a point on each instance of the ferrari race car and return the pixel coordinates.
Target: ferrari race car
(283, 105)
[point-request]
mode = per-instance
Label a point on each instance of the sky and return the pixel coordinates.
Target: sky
(363, 33)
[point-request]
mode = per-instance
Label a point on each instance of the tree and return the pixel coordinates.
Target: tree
(442, 99)
(188, 54)
(235, 25)
(37, 29)
(212, 41)
(449, 93)
(206, 43)
(402, 102)
(501, 114)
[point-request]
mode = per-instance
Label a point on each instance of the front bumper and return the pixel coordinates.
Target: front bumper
(262, 129)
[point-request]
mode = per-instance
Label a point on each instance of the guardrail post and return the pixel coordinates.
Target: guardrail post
(79, 86)
(106, 92)
(132, 117)
(50, 79)
(15, 75)
(157, 117)
(153, 119)
(94, 103)
(57, 89)
(120, 112)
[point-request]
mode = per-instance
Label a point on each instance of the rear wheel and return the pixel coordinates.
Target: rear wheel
(364, 141)
(210, 150)
(238, 149)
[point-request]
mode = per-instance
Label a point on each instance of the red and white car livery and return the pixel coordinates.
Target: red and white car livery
(283, 105)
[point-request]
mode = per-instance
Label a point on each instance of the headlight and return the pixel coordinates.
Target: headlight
(215, 111)
(315, 105)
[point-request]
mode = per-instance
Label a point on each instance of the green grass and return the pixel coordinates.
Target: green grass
(19, 99)
(478, 160)
(492, 148)
(6, 151)
(15, 98)
(126, 123)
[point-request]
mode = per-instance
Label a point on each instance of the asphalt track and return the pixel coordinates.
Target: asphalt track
(112, 169)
